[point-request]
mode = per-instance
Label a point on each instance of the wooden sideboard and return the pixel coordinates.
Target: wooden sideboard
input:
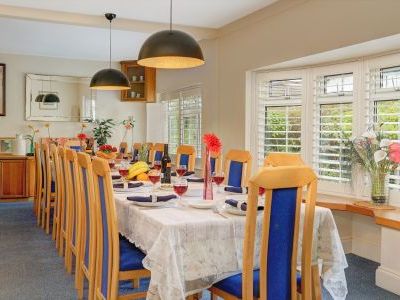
(17, 177)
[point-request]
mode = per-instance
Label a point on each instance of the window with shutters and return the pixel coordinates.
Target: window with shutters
(279, 116)
(183, 115)
(383, 95)
(333, 123)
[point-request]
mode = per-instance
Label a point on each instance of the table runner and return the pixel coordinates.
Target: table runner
(188, 249)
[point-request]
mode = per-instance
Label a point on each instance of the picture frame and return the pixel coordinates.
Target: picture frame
(2, 89)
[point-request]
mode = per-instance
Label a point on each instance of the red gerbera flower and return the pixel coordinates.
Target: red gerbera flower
(81, 136)
(212, 142)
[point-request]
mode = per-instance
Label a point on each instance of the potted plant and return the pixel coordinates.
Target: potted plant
(102, 130)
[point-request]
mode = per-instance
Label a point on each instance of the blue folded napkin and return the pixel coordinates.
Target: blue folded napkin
(131, 185)
(236, 189)
(240, 204)
(149, 198)
(188, 173)
(195, 180)
(115, 177)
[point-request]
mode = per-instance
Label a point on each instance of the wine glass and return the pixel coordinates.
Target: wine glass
(181, 170)
(218, 178)
(154, 177)
(111, 163)
(180, 187)
(157, 165)
(123, 170)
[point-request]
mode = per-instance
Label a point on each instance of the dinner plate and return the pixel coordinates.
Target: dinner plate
(203, 204)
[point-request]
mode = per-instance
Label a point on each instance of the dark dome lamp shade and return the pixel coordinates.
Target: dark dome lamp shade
(170, 49)
(51, 98)
(110, 79)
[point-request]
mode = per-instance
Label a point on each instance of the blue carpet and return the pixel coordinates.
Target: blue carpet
(31, 269)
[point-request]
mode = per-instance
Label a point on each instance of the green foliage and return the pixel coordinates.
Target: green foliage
(102, 130)
(143, 153)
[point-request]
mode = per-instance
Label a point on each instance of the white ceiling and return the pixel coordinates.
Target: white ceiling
(202, 13)
(67, 41)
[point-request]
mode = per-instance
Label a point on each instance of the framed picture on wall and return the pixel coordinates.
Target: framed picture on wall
(2, 89)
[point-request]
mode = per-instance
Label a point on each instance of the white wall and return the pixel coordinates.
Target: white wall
(108, 103)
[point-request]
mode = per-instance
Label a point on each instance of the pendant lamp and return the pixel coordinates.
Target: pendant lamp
(170, 49)
(110, 79)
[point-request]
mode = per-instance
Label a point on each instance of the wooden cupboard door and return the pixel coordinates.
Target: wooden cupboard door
(13, 177)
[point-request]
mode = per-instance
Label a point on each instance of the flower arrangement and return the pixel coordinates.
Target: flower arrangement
(107, 151)
(47, 125)
(31, 138)
(378, 156)
(128, 124)
(213, 144)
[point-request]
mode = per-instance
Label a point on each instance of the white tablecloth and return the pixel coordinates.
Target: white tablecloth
(189, 249)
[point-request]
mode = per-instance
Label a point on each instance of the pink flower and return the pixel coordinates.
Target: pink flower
(394, 152)
(212, 142)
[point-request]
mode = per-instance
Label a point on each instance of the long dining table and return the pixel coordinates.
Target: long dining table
(188, 249)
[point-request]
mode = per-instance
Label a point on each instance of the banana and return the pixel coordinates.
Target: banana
(137, 168)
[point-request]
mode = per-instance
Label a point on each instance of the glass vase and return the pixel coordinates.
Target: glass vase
(207, 188)
(379, 187)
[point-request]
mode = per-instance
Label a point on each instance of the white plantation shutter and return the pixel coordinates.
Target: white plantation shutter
(383, 107)
(333, 122)
(278, 116)
(183, 112)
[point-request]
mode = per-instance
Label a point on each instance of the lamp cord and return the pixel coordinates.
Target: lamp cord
(109, 63)
(170, 15)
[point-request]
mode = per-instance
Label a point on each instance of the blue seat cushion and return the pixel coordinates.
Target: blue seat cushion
(233, 284)
(53, 186)
(130, 256)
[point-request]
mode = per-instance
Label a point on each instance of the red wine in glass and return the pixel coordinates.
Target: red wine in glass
(123, 172)
(157, 165)
(180, 189)
(154, 178)
(111, 164)
(181, 171)
(218, 179)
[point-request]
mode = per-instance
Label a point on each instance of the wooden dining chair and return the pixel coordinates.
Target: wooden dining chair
(86, 259)
(38, 183)
(58, 193)
(48, 199)
(215, 161)
(276, 275)
(62, 204)
(116, 259)
(157, 152)
(279, 159)
(186, 155)
(73, 211)
(237, 166)
(136, 148)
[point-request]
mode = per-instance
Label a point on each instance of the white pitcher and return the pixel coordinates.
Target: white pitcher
(19, 145)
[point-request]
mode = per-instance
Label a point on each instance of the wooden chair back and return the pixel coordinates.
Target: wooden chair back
(73, 200)
(38, 181)
(64, 195)
(55, 158)
(279, 159)
(75, 145)
(107, 255)
(279, 233)
(47, 187)
(157, 152)
(237, 166)
(136, 148)
(123, 149)
(87, 208)
(186, 155)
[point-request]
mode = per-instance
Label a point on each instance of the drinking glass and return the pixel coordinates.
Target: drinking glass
(123, 170)
(154, 177)
(180, 187)
(157, 165)
(181, 170)
(218, 178)
(111, 163)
